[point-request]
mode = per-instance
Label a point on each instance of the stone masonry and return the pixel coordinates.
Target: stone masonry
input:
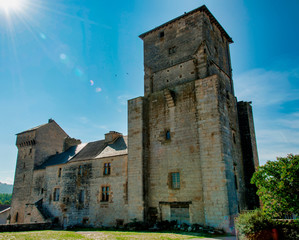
(188, 157)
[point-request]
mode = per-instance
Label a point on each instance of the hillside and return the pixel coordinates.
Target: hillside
(5, 188)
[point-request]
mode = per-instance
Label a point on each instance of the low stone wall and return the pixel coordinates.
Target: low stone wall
(24, 227)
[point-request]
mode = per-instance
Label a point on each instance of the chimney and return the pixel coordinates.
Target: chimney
(112, 136)
(70, 142)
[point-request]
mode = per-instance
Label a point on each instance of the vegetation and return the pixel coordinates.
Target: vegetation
(5, 199)
(253, 225)
(6, 188)
(252, 222)
(100, 235)
(278, 186)
(278, 189)
(36, 235)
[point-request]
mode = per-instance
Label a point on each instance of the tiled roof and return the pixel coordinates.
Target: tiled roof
(119, 147)
(4, 207)
(32, 129)
(91, 150)
(87, 151)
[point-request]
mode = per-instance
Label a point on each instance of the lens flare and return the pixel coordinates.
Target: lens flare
(9, 5)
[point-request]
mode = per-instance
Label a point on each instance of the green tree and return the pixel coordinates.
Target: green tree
(278, 186)
(5, 198)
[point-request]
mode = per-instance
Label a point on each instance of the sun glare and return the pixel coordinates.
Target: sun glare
(11, 5)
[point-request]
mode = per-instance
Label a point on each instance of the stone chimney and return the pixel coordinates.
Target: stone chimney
(70, 142)
(112, 136)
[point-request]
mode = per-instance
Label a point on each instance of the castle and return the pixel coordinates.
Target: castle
(189, 154)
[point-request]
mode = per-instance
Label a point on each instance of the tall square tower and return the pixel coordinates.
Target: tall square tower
(185, 159)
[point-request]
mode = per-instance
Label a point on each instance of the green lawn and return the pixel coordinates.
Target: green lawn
(35, 235)
(99, 235)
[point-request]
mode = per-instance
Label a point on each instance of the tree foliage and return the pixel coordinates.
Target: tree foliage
(5, 198)
(278, 186)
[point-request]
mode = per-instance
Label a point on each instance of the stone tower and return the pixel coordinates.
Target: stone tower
(185, 159)
(34, 146)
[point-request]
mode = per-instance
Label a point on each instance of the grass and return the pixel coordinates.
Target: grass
(98, 235)
(36, 235)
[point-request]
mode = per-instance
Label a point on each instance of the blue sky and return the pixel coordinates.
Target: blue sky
(78, 62)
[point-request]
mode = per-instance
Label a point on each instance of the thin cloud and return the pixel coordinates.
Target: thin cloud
(123, 99)
(265, 88)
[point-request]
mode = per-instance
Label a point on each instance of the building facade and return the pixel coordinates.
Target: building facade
(188, 157)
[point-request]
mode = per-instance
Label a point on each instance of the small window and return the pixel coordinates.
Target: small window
(161, 34)
(167, 135)
(105, 193)
(80, 170)
(107, 168)
(56, 194)
(30, 150)
(85, 220)
(175, 180)
(17, 217)
(216, 51)
(236, 178)
(172, 50)
(42, 191)
(59, 172)
(81, 196)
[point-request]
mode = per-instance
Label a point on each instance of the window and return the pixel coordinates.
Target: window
(56, 194)
(59, 172)
(80, 170)
(175, 180)
(105, 193)
(161, 34)
(171, 50)
(81, 196)
(107, 168)
(236, 178)
(167, 135)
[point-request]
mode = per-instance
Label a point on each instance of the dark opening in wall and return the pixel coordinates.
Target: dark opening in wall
(81, 196)
(167, 135)
(105, 194)
(107, 168)
(56, 194)
(161, 34)
(80, 170)
(85, 220)
(172, 50)
(175, 180)
(17, 217)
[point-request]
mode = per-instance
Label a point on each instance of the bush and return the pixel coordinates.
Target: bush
(252, 223)
(287, 229)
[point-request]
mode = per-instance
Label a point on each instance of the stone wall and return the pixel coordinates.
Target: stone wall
(249, 151)
(136, 174)
(34, 146)
(88, 209)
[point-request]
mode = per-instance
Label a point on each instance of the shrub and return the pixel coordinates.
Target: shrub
(253, 222)
(287, 229)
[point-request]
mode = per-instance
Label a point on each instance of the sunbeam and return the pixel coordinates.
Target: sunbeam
(11, 5)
